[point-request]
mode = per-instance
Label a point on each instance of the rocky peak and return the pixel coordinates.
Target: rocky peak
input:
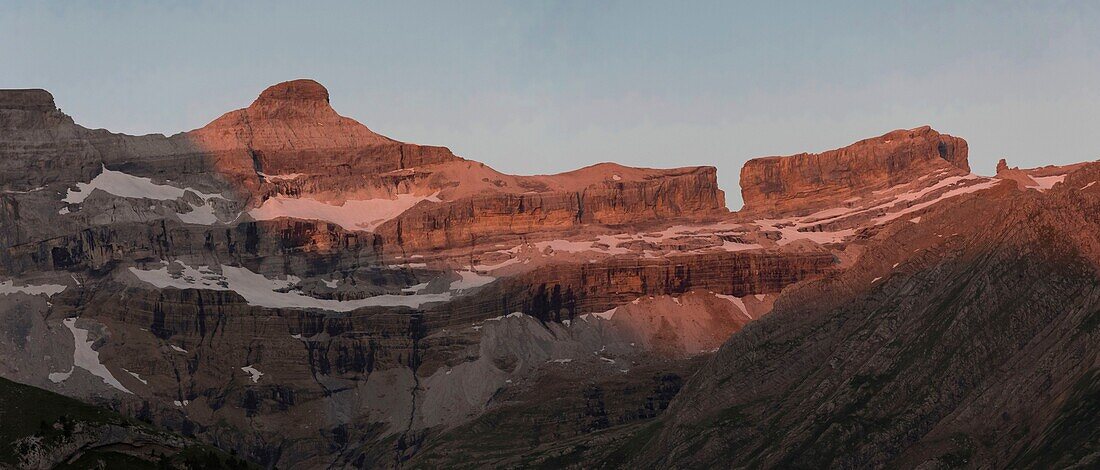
(302, 89)
(291, 129)
(288, 115)
(297, 98)
(28, 109)
(805, 182)
(34, 99)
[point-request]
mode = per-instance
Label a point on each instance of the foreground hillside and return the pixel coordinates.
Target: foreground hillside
(967, 339)
(46, 430)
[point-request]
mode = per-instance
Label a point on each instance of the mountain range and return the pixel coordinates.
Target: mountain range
(298, 291)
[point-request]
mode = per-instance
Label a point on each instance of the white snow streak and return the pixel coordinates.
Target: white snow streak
(365, 214)
(255, 374)
(86, 358)
(49, 290)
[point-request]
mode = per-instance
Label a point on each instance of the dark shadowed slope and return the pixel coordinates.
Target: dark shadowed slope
(969, 338)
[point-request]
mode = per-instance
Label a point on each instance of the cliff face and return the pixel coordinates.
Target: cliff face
(803, 182)
(688, 193)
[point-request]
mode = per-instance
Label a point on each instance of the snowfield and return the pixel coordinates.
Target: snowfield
(260, 291)
(86, 358)
(366, 214)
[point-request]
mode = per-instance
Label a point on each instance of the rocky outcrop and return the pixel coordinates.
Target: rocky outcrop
(805, 182)
(29, 109)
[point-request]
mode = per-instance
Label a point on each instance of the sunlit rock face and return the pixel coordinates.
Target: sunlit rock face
(291, 140)
(804, 182)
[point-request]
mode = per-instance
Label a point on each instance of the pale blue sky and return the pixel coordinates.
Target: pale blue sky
(532, 87)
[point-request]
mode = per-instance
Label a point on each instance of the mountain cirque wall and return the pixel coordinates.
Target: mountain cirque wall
(807, 181)
(286, 283)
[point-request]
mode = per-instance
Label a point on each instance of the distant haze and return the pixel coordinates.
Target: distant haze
(543, 88)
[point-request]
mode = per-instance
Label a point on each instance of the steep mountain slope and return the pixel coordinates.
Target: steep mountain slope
(949, 343)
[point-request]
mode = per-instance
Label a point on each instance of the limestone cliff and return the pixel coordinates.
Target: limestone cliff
(803, 182)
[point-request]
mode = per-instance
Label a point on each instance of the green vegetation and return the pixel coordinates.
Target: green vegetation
(27, 411)
(633, 446)
(1074, 434)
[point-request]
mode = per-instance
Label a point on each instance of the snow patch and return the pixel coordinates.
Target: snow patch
(365, 214)
(87, 358)
(49, 290)
(510, 315)
(136, 376)
(605, 315)
(126, 185)
(1043, 183)
(58, 377)
(129, 186)
(260, 291)
(253, 373)
(414, 289)
(199, 215)
(288, 176)
(470, 280)
(491, 267)
(737, 302)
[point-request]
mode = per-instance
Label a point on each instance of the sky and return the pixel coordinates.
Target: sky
(545, 87)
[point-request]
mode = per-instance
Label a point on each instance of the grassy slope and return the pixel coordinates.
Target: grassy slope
(27, 411)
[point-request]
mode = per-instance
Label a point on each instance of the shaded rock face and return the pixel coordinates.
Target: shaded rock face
(803, 182)
(293, 245)
(978, 348)
(29, 109)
